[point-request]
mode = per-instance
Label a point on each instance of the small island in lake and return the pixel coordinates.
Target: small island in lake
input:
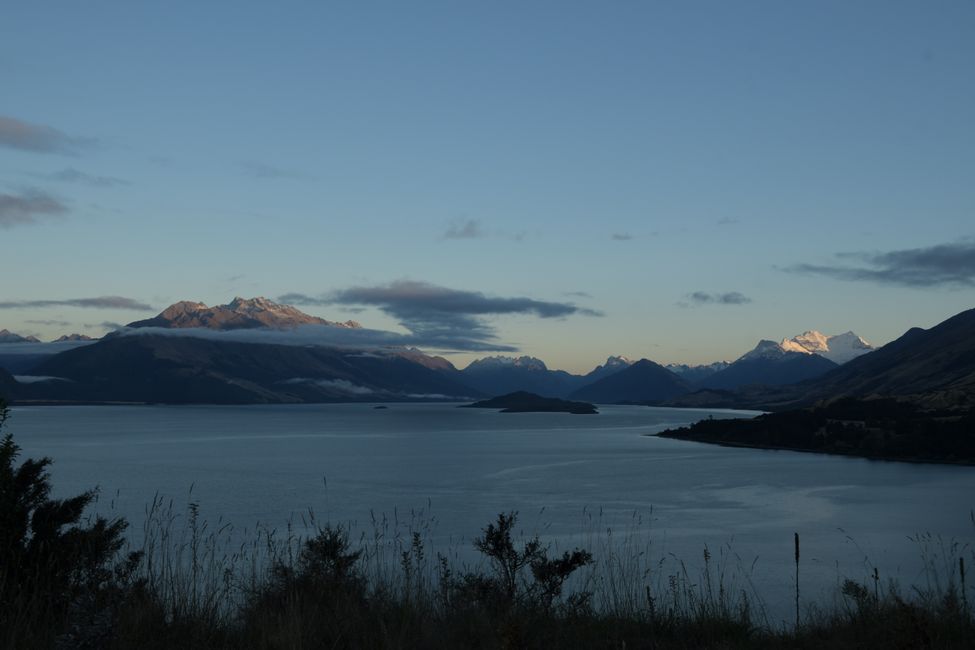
(525, 402)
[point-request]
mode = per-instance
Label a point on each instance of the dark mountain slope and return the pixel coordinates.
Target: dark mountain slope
(642, 382)
(933, 368)
(182, 369)
(503, 375)
(790, 368)
(936, 365)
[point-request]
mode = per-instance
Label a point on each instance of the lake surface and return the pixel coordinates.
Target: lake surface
(570, 477)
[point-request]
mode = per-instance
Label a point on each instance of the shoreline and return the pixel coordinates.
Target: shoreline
(875, 457)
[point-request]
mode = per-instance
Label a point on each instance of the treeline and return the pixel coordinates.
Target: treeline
(874, 428)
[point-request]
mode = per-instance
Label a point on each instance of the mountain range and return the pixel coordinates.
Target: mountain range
(931, 368)
(769, 363)
(154, 360)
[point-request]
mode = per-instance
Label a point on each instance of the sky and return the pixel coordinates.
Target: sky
(669, 180)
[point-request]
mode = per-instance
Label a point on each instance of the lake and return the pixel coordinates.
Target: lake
(570, 477)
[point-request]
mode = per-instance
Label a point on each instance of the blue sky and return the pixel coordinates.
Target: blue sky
(636, 163)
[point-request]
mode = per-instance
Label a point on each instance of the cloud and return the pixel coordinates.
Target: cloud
(72, 175)
(33, 379)
(27, 208)
(101, 302)
(621, 236)
(474, 229)
(17, 134)
(105, 324)
(40, 349)
(441, 317)
(727, 221)
(577, 294)
(704, 298)
(330, 336)
(56, 323)
(270, 172)
(469, 229)
(339, 385)
(940, 265)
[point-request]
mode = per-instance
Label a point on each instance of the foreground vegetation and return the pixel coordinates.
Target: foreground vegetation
(67, 581)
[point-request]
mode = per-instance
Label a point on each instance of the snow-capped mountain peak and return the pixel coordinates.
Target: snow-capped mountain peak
(847, 346)
(765, 349)
(617, 362)
(839, 348)
(810, 341)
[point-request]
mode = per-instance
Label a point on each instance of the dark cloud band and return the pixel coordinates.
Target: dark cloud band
(453, 318)
(941, 265)
(101, 302)
(729, 298)
(27, 208)
(72, 175)
(469, 229)
(17, 134)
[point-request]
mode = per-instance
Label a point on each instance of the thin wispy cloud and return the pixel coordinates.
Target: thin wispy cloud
(106, 324)
(72, 175)
(727, 221)
(100, 302)
(28, 207)
(469, 229)
(357, 339)
(38, 138)
(445, 318)
(699, 298)
(270, 172)
(52, 323)
(621, 236)
(942, 265)
(474, 229)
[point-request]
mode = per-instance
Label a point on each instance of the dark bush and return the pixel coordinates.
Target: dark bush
(58, 575)
(509, 586)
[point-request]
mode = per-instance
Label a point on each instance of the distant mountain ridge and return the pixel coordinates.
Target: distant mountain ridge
(72, 337)
(239, 313)
(6, 336)
(934, 368)
(768, 364)
(612, 366)
(500, 375)
(771, 364)
(640, 383)
(695, 374)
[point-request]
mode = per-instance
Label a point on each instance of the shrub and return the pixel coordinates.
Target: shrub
(58, 575)
(509, 586)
